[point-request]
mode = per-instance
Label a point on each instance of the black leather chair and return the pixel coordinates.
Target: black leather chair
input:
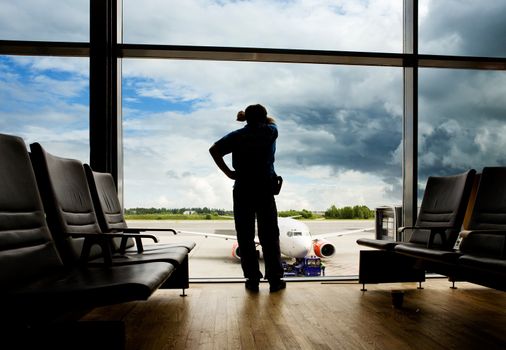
(483, 244)
(438, 224)
(37, 288)
(441, 214)
(72, 218)
(479, 254)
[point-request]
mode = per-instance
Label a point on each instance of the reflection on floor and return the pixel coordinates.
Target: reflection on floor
(328, 315)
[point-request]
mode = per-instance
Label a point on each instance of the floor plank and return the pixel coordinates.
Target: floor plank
(315, 315)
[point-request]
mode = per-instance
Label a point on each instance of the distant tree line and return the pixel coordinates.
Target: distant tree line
(175, 211)
(356, 212)
(305, 214)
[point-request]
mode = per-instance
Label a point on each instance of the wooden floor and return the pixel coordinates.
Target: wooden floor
(316, 315)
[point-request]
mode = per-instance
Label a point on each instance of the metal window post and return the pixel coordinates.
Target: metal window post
(105, 124)
(410, 121)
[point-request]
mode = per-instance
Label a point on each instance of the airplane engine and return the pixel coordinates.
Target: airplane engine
(236, 252)
(323, 248)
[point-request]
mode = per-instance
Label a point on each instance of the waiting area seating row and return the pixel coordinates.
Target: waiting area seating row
(57, 260)
(82, 207)
(460, 233)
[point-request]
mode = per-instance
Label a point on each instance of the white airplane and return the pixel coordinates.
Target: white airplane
(295, 240)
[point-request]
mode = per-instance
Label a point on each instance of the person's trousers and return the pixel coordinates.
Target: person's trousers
(250, 203)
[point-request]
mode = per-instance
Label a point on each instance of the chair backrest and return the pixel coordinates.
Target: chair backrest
(489, 210)
(105, 199)
(106, 203)
(26, 249)
(67, 201)
(444, 205)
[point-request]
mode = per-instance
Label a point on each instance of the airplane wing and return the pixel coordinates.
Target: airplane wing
(212, 235)
(340, 233)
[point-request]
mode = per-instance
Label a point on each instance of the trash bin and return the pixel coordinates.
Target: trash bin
(388, 220)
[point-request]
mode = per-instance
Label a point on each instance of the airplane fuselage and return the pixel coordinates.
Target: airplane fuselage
(294, 238)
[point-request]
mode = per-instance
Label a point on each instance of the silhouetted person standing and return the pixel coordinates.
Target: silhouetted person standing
(253, 148)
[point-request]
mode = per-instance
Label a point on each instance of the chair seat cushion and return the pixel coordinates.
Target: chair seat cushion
(96, 286)
(173, 255)
(156, 247)
(436, 255)
(382, 244)
(483, 263)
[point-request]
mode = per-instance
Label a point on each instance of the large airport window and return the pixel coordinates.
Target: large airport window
(339, 146)
(462, 120)
(349, 25)
(340, 126)
(45, 20)
(474, 28)
(46, 100)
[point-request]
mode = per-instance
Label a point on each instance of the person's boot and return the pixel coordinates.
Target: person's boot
(252, 285)
(276, 285)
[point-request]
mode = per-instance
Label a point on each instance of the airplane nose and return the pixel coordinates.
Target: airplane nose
(301, 251)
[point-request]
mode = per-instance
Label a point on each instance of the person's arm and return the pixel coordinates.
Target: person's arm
(218, 159)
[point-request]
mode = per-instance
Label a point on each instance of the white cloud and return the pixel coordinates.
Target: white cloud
(343, 189)
(344, 25)
(65, 20)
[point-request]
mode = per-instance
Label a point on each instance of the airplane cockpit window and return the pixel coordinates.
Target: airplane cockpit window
(293, 233)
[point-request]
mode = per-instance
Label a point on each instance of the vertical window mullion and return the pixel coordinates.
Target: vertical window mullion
(410, 117)
(103, 87)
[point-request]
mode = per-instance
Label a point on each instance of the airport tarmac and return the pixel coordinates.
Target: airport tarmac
(212, 257)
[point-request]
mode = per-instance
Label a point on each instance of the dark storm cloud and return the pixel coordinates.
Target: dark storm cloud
(460, 112)
(461, 94)
(363, 140)
(480, 27)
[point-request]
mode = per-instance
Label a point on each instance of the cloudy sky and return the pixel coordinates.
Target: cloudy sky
(340, 126)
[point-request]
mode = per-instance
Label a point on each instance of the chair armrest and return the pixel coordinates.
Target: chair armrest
(136, 231)
(434, 230)
(400, 231)
(104, 240)
(138, 241)
(404, 228)
(114, 235)
(147, 229)
(91, 239)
